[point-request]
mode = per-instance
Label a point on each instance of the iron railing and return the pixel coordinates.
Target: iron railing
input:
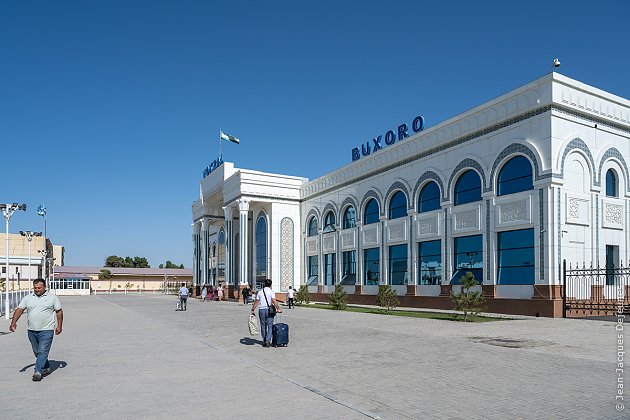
(15, 297)
(595, 290)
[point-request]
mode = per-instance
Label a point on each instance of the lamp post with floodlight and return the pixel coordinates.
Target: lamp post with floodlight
(29, 236)
(7, 211)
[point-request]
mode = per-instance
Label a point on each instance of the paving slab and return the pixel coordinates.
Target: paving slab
(134, 356)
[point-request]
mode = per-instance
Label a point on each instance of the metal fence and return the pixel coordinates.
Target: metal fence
(14, 299)
(596, 290)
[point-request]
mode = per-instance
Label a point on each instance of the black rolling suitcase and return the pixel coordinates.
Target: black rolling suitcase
(280, 334)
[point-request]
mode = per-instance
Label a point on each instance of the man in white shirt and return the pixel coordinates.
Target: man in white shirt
(183, 296)
(45, 316)
(290, 294)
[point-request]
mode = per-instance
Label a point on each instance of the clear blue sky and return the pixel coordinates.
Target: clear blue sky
(110, 110)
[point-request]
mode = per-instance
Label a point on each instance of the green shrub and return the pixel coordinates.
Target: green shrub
(387, 298)
(303, 297)
(339, 298)
(467, 301)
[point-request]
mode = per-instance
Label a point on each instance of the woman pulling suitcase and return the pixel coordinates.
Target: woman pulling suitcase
(267, 306)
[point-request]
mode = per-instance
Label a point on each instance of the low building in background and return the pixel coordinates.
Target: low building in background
(19, 257)
(72, 280)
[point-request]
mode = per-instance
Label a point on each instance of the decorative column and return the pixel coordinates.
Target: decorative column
(228, 244)
(196, 252)
(205, 223)
(243, 211)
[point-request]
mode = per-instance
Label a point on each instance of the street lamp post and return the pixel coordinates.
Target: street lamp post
(7, 211)
(29, 235)
(41, 211)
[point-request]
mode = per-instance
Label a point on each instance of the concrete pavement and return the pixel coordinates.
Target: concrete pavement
(133, 356)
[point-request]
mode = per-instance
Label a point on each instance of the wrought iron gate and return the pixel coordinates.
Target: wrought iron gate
(592, 291)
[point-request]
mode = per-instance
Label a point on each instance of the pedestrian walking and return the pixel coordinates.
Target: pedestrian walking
(245, 294)
(45, 319)
(211, 294)
(183, 296)
(264, 299)
(204, 293)
(290, 294)
(220, 292)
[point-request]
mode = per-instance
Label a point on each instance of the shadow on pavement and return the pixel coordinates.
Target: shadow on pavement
(54, 365)
(248, 341)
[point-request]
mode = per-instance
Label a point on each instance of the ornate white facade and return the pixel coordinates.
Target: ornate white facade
(572, 135)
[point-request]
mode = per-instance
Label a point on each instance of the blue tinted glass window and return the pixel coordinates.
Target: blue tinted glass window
(516, 257)
(349, 218)
(515, 176)
(371, 266)
(371, 212)
(329, 269)
(312, 271)
(429, 198)
(398, 205)
(468, 188)
(329, 222)
(261, 248)
(430, 262)
(611, 184)
(349, 268)
(398, 264)
(312, 227)
(468, 257)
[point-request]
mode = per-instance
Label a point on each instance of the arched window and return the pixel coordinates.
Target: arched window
(612, 187)
(329, 222)
(468, 188)
(429, 198)
(261, 248)
(312, 226)
(349, 218)
(398, 205)
(515, 176)
(371, 212)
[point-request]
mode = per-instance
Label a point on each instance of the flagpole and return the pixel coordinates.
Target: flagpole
(220, 140)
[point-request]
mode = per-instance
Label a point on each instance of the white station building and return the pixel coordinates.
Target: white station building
(506, 190)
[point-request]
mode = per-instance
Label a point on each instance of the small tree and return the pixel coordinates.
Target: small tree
(128, 286)
(387, 298)
(105, 274)
(467, 301)
(303, 297)
(339, 298)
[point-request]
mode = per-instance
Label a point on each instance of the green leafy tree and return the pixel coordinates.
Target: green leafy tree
(135, 262)
(105, 274)
(114, 261)
(140, 262)
(467, 301)
(169, 264)
(303, 297)
(339, 298)
(386, 298)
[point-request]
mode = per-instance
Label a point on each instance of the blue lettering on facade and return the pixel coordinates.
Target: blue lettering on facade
(402, 132)
(418, 124)
(214, 165)
(365, 151)
(390, 138)
(377, 144)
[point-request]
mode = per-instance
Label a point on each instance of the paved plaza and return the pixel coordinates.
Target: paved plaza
(134, 356)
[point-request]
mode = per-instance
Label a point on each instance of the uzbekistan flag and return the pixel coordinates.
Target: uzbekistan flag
(226, 136)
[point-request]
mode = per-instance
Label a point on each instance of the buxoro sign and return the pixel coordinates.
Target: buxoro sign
(214, 165)
(390, 138)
